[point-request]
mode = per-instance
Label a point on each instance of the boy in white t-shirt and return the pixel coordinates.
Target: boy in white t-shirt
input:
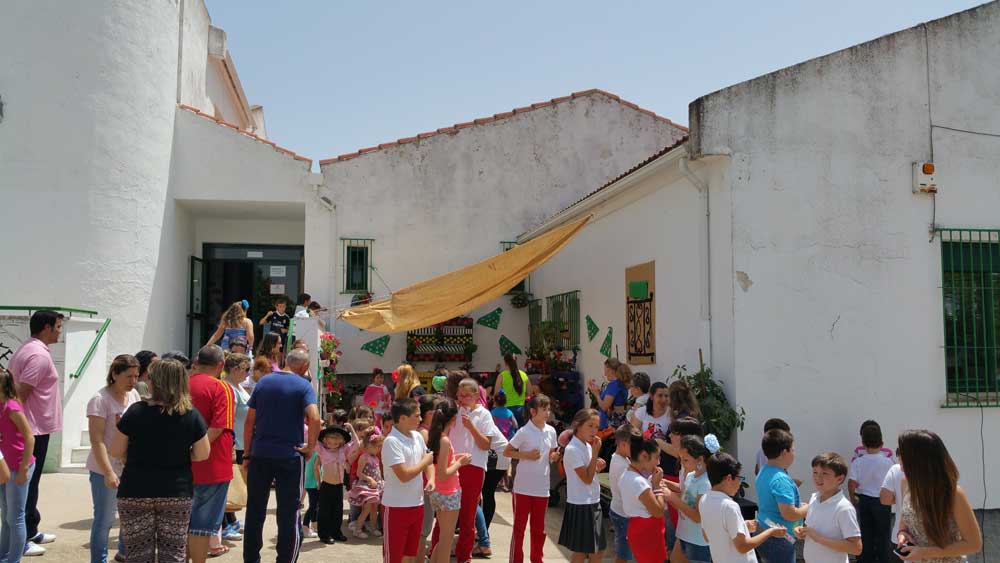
(831, 530)
(865, 478)
(535, 445)
(722, 522)
(404, 458)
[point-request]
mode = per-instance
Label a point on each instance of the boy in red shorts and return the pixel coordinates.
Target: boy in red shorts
(404, 457)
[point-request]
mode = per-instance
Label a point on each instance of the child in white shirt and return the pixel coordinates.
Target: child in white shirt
(582, 530)
(642, 501)
(535, 445)
(722, 522)
(892, 492)
(865, 478)
(619, 463)
(831, 530)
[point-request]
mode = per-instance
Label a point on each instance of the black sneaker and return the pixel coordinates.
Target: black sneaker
(340, 537)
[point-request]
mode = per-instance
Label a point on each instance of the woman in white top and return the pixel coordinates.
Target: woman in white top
(582, 529)
(642, 500)
(103, 412)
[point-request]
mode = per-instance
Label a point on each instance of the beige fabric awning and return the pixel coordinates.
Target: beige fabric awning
(456, 293)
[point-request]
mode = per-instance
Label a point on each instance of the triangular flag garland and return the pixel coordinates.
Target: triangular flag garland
(508, 347)
(592, 328)
(376, 346)
(491, 320)
(606, 347)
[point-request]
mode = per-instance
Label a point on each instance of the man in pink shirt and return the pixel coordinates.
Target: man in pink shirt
(37, 383)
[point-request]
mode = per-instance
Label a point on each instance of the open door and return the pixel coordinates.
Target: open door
(196, 304)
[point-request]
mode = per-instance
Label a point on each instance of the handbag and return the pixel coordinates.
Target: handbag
(236, 496)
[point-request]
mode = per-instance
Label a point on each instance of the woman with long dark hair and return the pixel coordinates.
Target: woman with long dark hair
(515, 385)
(271, 348)
(937, 523)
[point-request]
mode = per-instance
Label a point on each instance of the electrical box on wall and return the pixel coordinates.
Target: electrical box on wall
(923, 178)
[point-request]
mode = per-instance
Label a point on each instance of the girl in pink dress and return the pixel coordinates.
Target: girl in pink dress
(366, 489)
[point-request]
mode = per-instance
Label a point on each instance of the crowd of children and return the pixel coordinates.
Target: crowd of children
(672, 488)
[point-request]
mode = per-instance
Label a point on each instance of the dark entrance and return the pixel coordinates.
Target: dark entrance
(232, 272)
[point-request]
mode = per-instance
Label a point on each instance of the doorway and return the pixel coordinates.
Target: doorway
(228, 273)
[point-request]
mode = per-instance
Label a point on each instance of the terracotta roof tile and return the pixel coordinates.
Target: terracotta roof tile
(499, 116)
(632, 170)
(200, 113)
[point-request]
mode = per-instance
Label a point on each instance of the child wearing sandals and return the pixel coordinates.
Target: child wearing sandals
(366, 490)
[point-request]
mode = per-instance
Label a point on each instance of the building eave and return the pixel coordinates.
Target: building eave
(668, 157)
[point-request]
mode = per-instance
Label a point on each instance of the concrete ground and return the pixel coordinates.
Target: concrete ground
(67, 511)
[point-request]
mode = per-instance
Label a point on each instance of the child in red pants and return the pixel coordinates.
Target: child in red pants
(535, 445)
(643, 502)
(404, 457)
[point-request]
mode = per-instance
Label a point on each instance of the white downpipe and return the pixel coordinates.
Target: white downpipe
(702, 187)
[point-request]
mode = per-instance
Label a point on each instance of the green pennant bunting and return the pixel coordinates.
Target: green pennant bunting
(508, 347)
(491, 320)
(592, 328)
(376, 346)
(606, 347)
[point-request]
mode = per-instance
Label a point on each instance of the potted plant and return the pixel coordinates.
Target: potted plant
(719, 416)
(520, 299)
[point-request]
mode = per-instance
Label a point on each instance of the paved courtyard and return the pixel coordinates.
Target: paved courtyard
(67, 512)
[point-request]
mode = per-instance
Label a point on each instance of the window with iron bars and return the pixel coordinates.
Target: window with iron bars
(522, 286)
(970, 274)
(357, 260)
(565, 310)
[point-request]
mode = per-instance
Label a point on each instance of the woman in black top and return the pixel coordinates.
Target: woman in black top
(158, 439)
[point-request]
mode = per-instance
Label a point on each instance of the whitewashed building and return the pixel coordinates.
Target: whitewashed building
(791, 248)
(139, 182)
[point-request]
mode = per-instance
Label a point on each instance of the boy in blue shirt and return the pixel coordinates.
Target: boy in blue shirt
(778, 497)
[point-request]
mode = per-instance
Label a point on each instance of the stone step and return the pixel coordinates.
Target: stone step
(79, 455)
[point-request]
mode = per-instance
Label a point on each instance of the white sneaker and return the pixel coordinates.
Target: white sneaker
(376, 533)
(32, 549)
(360, 534)
(43, 538)
(308, 532)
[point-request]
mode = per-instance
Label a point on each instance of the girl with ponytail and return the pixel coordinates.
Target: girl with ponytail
(514, 384)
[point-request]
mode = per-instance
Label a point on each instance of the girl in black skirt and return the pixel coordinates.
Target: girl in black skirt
(582, 526)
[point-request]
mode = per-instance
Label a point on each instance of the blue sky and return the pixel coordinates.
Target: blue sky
(335, 76)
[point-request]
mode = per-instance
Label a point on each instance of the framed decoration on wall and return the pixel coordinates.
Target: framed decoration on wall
(640, 313)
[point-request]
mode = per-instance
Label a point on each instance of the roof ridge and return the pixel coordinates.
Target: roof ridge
(272, 144)
(498, 116)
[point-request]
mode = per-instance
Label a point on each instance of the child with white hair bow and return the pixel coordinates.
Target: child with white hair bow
(694, 452)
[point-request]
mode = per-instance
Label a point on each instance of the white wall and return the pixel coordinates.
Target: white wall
(194, 56)
(658, 219)
(85, 147)
(448, 201)
(836, 299)
(246, 231)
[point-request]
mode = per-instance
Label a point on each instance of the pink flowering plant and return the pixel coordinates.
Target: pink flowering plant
(329, 354)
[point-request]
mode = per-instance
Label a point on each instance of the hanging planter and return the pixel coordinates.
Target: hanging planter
(520, 299)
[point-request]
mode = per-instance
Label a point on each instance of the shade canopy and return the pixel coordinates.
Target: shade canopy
(457, 293)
